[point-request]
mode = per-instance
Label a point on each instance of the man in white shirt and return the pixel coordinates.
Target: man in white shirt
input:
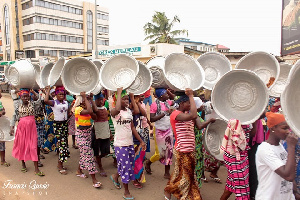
(275, 167)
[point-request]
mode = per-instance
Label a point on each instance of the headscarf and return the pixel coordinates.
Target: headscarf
(78, 101)
(274, 118)
(98, 96)
(198, 102)
(52, 90)
(59, 89)
(181, 99)
(124, 93)
(23, 91)
(159, 92)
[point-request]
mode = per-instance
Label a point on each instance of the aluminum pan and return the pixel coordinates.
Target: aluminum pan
(5, 129)
(118, 71)
(282, 81)
(263, 64)
(215, 65)
(213, 138)
(240, 94)
(80, 74)
(183, 71)
(45, 74)
(142, 81)
(22, 74)
(55, 73)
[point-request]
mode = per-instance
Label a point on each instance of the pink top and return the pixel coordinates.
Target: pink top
(183, 132)
(163, 123)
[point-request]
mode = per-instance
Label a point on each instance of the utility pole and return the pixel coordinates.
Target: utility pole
(96, 26)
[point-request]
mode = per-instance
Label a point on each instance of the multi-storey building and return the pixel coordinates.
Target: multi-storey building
(51, 28)
(1, 52)
(198, 46)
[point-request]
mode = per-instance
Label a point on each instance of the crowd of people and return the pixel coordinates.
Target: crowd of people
(260, 158)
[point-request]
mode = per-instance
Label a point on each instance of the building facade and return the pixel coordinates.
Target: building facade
(198, 46)
(1, 52)
(51, 28)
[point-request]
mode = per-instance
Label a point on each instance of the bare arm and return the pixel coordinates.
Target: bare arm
(135, 108)
(287, 171)
(201, 125)
(137, 136)
(154, 118)
(89, 109)
(193, 112)
(46, 100)
(115, 111)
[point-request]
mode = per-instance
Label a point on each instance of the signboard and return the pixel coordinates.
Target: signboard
(112, 52)
(7, 62)
(290, 32)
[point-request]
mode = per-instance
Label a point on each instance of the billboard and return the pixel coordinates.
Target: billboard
(290, 32)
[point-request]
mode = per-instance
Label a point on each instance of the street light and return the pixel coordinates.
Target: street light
(95, 17)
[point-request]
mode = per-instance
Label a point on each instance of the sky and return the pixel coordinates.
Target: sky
(241, 25)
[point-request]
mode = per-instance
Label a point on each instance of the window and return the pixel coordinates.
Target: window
(51, 37)
(89, 30)
(38, 36)
(6, 25)
(38, 19)
(43, 36)
(63, 38)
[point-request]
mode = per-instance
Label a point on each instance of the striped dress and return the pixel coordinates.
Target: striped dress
(183, 184)
(238, 171)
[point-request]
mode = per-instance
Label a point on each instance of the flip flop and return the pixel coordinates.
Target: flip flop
(137, 185)
(40, 164)
(41, 156)
(216, 179)
(128, 198)
(63, 172)
(97, 185)
(40, 173)
(24, 170)
(204, 180)
(82, 175)
(5, 164)
(103, 174)
(117, 185)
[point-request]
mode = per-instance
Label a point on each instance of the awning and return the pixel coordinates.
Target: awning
(7, 62)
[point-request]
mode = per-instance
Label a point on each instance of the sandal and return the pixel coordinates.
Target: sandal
(40, 164)
(40, 173)
(204, 180)
(97, 185)
(166, 198)
(63, 172)
(82, 175)
(216, 179)
(41, 156)
(117, 185)
(137, 185)
(74, 146)
(103, 174)
(128, 198)
(5, 164)
(24, 170)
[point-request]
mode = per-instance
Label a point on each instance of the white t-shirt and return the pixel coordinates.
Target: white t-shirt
(60, 110)
(122, 124)
(271, 186)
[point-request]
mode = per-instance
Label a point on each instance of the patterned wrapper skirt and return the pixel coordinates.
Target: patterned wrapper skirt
(112, 131)
(164, 140)
(84, 141)
(125, 160)
(61, 134)
(40, 126)
(238, 175)
(71, 125)
(25, 143)
(183, 184)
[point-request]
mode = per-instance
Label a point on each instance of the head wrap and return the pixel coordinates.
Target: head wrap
(23, 91)
(59, 89)
(98, 96)
(182, 98)
(159, 92)
(198, 102)
(124, 93)
(274, 118)
(52, 90)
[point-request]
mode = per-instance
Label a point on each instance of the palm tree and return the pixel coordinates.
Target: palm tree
(160, 29)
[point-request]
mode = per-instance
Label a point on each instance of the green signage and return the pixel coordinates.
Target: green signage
(7, 62)
(119, 51)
